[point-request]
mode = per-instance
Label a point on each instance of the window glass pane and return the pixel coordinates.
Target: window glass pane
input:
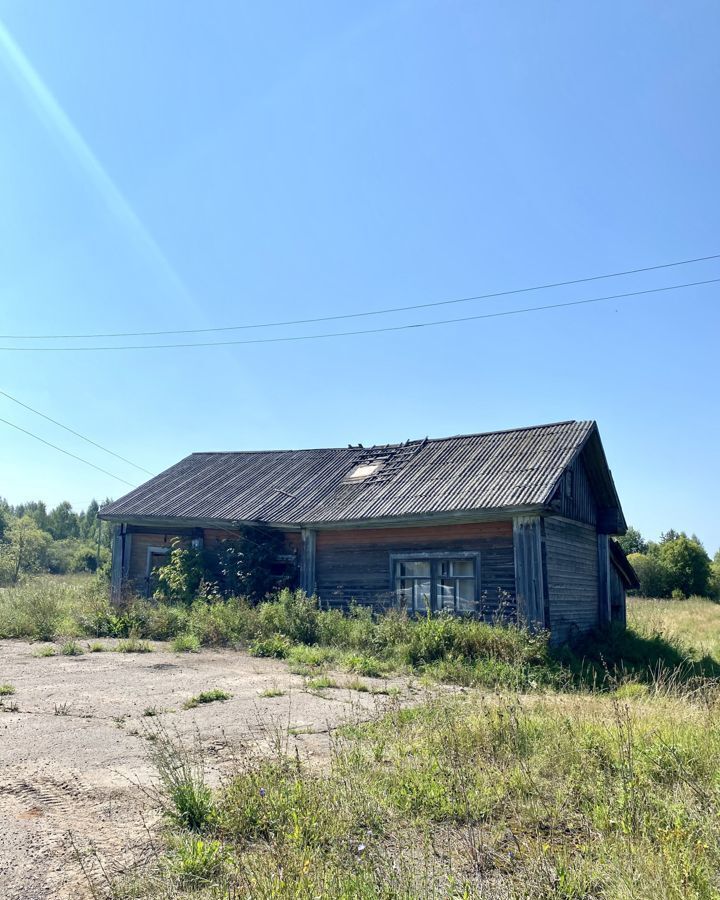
(419, 568)
(405, 594)
(446, 594)
(466, 594)
(463, 567)
(422, 595)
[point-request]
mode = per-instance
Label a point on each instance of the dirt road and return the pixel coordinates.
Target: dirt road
(73, 745)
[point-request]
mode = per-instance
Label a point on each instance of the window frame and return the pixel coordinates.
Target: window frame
(435, 557)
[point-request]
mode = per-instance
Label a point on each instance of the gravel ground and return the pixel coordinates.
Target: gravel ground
(73, 748)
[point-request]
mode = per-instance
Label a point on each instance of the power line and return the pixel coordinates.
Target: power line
(66, 452)
(76, 433)
(334, 334)
(364, 313)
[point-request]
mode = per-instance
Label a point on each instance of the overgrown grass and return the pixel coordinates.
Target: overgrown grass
(694, 622)
(564, 796)
(134, 644)
(675, 642)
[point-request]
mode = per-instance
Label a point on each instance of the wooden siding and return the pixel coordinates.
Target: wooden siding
(354, 564)
(214, 536)
(293, 542)
(572, 570)
(576, 500)
(530, 572)
(617, 597)
(137, 569)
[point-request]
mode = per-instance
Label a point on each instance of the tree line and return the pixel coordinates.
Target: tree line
(34, 539)
(675, 566)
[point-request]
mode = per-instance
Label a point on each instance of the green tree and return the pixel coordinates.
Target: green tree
(37, 511)
(24, 549)
(687, 565)
(715, 576)
(63, 522)
(632, 541)
(90, 521)
(651, 573)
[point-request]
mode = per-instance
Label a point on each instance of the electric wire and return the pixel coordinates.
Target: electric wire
(67, 452)
(76, 433)
(363, 313)
(387, 328)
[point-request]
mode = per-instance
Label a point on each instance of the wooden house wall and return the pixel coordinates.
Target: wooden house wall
(355, 564)
(572, 574)
(617, 596)
(139, 544)
(213, 536)
(577, 500)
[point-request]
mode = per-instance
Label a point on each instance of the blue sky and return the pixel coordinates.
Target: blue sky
(180, 165)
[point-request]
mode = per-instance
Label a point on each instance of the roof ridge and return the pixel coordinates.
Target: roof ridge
(409, 442)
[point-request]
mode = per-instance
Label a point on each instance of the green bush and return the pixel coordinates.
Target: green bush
(223, 623)
(292, 614)
(245, 567)
(35, 609)
(186, 643)
(276, 646)
(314, 657)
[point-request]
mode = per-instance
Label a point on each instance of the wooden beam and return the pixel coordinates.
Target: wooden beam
(604, 606)
(529, 580)
(307, 561)
(116, 571)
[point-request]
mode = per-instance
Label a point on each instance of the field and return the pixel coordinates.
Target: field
(695, 622)
(322, 757)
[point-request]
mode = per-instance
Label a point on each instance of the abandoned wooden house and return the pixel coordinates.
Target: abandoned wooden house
(514, 523)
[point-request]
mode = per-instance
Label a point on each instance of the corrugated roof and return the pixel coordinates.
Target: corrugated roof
(465, 473)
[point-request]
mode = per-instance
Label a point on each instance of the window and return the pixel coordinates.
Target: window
(414, 585)
(437, 582)
(156, 557)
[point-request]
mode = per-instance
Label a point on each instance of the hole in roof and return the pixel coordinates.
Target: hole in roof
(364, 470)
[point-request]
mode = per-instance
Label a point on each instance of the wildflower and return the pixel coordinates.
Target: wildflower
(361, 847)
(262, 792)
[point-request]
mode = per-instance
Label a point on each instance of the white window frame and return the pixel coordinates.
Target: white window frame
(435, 557)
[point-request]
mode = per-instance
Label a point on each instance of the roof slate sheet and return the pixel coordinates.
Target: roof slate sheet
(292, 487)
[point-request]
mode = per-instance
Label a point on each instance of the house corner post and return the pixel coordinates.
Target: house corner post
(604, 607)
(307, 561)
(529, 574)
(116, 570)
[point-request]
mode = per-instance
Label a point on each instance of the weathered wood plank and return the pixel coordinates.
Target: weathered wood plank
(307, 560)
(572, 565)
(603, 550)
(116, 569)
(530, 591)
(355, 565)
